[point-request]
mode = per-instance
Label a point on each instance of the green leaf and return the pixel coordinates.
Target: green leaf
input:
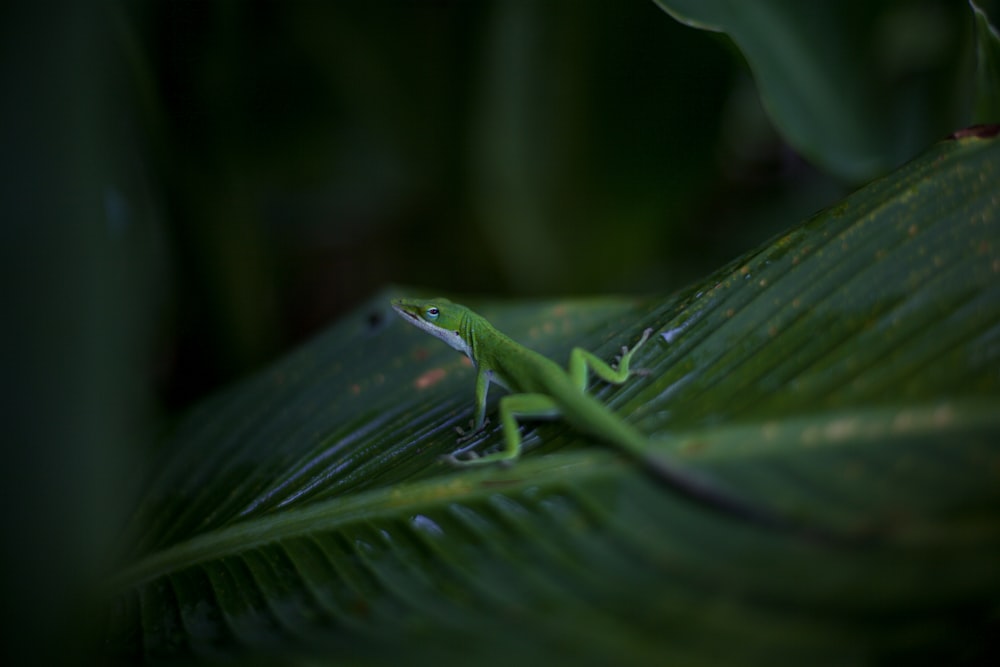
(987, 67)
(844, 375)
(856, 87)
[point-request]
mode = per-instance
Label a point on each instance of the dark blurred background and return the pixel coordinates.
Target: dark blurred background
(190, 188)
(308, 154)
(273, 164)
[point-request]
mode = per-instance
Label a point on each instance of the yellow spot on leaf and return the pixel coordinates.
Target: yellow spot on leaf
(840, 429)
(904, 421)
(943, 416)
(811, 436)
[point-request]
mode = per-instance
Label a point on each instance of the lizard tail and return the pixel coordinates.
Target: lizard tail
(708, 492)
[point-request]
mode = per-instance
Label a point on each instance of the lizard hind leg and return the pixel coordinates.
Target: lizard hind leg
(513, 408)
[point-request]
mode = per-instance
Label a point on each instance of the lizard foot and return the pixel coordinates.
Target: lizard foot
(465, 436)
(452, 459)
(466, 458)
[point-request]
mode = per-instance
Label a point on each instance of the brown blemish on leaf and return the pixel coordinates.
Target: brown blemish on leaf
(430, 378)
(695, 446)
(976, 132)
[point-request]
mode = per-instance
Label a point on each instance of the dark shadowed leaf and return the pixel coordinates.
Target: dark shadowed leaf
(841, 80)
(987, 66)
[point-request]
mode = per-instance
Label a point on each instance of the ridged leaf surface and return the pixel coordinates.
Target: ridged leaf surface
(845, 376)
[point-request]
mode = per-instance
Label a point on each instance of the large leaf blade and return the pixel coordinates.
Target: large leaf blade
(843, 375)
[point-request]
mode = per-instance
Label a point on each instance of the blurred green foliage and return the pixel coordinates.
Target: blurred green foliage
(854, 85)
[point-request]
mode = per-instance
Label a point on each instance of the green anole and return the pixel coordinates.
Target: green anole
(540, 389)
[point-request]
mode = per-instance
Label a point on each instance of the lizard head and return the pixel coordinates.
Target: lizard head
(439, 317)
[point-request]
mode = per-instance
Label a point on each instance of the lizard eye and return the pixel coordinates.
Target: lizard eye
(432, 312)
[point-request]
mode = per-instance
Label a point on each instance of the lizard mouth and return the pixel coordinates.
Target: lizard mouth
(399, 309)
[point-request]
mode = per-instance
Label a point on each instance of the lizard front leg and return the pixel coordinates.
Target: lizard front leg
(479, 420)
(581, 361)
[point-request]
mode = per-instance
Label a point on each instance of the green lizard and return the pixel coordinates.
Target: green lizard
(540, 389)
